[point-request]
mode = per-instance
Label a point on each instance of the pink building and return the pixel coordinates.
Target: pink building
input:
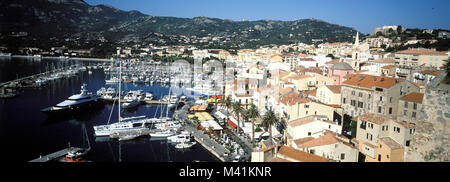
(338, 72)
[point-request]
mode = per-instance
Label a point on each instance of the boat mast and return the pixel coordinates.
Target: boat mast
(120, 79)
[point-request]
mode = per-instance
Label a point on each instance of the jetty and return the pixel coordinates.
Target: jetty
(54, 155)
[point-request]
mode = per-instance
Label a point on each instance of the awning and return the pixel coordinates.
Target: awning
(232, 125)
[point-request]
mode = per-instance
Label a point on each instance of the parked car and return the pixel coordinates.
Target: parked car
(237, 158)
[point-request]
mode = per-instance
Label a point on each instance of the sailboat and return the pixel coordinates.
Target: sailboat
(123, 124)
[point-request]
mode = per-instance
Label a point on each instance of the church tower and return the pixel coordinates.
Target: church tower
(357, 40)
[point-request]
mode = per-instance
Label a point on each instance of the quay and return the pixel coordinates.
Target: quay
(146, 102)
(53, 156)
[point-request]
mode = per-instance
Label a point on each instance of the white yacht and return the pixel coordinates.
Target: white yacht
(185, 145)
(75, 103)
(113, 80)
(131, 103)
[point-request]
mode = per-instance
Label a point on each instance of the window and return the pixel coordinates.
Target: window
(406, 104)
(379, 109)
(390, 110)
(360, 105)
(411, 131)
(309, 133)
(343, 101)
(413, 115)
(353, 92)
(360, 94)
(387, 156)
(369, 96)
(405, 112)
(379, 157)
(414, 106)
(363, 125)
(311, 151)
(390, 99)
(407, 143)
(353, 102)
(342, 156)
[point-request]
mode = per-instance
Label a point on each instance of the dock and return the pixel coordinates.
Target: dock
(54, 155)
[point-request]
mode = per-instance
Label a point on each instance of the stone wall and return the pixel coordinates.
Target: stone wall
(431, 139)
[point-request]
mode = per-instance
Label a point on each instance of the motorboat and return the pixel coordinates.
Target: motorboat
(113, 80)
(76, 103)
(183, 137)
(148, 96)
(185, 145)
(130, 103)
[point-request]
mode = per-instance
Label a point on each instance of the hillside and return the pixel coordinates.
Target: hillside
(75, 19)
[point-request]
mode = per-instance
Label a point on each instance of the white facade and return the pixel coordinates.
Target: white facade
(308, 129)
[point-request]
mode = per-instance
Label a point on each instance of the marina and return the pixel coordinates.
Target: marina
(42, 135)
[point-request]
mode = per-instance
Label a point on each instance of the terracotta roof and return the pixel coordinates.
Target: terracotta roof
(383, 61)
(300, 155)
(333, 61)
(374, 118)
(311, 92)
(422, 51)
(404, 124)
(277, 159)
(302, 140)
(391, 143)
(368, 81)
(387, 66)
(268, 148)
(431, 72)
(293, 98)
(304, 120)
(413, 97)
(334, 88)
(326, 139)
(306, 59)
(244, 95)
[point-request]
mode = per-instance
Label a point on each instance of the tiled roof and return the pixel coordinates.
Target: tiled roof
(341, 66)
(311, 92)
(383, 61)
(391, 143)
(387, 66)
(326, 139)
(431, 72)
(374, 118)
(302, 140)
(334, 88)
(293, 98)
(404, 124)
(413, 97)
(267, 148)
(421, 51)
(304, 120)
(277, 159)
(333, 61)
(368, 81)
(300, 155)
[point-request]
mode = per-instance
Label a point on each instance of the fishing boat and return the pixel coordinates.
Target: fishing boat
(76, 154)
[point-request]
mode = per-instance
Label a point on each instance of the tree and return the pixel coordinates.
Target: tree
(237, 110)
(252, 114)
(227, 103)
(269, 120)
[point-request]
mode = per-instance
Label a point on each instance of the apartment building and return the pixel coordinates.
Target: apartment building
(363, 94)
(329, 94)
(420, 56)
(409, 107)
(373, 127)
(310, 126)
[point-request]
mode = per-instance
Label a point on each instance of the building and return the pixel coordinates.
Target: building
(363, 94)
(338, 71)
(373, 127)
(421, 56)
(289, 154)
(310, 126)
(295, 106)
(329, 145)
(409, 107)
(329, 94)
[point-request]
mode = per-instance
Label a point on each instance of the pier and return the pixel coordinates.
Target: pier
(54, 155)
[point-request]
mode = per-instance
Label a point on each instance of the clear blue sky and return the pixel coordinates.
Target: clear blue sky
(363, 15)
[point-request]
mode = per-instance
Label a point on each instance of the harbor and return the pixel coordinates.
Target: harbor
(40, 135)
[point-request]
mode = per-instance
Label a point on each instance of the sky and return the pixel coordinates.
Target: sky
(363, 15)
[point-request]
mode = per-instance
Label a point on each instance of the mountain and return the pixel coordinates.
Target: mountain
(75, 19)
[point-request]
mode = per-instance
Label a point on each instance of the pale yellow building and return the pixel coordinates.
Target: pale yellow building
(329, 94)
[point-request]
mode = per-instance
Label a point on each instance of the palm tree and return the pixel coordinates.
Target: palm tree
(238, 110)
(227, 103)
(269, 120)
(252, 114)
